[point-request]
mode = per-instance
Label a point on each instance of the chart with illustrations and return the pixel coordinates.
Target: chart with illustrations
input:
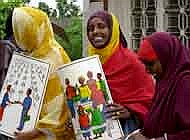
(22, 94)
(87, 93)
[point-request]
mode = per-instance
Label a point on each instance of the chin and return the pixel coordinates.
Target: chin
(99, 46)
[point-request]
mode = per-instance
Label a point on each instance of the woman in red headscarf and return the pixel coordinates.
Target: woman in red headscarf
(169, 61)
(131, 87)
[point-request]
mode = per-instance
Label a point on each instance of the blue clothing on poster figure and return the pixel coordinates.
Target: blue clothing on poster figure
(26, 107)
(71, 93)
(5, 100)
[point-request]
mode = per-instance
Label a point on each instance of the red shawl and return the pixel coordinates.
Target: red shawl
(129, 84)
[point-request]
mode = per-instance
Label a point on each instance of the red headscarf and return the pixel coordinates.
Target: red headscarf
(146, 52)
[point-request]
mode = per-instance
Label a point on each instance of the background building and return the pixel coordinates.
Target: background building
(139, 18)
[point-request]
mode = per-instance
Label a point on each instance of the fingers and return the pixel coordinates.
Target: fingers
(116, 115)
(114, 108)
(116, 111)
(114, 105)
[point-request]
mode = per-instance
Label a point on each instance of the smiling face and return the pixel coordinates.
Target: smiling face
(98, 32)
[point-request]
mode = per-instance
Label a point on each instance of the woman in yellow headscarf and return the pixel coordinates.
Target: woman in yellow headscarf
(131, 87)
(33, 33)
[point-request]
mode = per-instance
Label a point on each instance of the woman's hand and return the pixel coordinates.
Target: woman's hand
(116, 111)
(28, 135)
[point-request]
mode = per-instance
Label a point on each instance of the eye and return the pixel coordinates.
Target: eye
(101, 25)
(90, 28)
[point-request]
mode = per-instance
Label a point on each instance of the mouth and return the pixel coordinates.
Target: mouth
(98, 39)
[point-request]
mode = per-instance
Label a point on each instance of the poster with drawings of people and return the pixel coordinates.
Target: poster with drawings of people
(22, 94)
(87, 94)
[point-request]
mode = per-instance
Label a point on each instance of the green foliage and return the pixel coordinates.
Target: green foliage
(67, 9)
(44, 7)
(5, 9)
(72, 42)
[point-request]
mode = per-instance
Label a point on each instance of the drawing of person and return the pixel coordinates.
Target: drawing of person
(84, 122)
(84, 91)
(97, 96)
(91, 82)
(97, 121)
(26, 104)
(102, 86)
(70, 93)
(6, 101)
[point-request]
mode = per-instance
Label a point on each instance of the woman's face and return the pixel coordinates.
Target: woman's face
(98, 32)
(154, 67)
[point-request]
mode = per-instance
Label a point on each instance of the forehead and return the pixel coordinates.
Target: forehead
(96, 20)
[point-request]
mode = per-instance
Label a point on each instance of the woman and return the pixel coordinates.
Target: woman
(169, 61)
(33, 33)
(131, 87)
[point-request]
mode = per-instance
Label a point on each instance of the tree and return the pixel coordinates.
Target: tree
(74, 32)
(72, 40)
(67, 9)
(5, 9)
(44, 7)
(49, 11)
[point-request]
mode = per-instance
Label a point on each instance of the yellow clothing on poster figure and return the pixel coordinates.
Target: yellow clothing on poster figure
(85, 91)
(33, 33)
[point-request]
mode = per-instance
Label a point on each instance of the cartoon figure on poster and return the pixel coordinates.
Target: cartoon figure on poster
(70, 93)
(84, 121)
(84, 90)
(26, 104)
(5, 102)
(97, 96)
(102, 86)
(97, 121)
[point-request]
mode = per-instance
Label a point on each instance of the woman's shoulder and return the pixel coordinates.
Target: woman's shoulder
(132, 58)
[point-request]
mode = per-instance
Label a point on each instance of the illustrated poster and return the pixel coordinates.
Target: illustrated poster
(87, 94)
(22, 94)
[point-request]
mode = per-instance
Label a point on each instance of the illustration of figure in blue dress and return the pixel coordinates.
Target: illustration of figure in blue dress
(26, 104)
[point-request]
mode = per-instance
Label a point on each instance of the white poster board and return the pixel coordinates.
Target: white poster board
(20, 106)
(87, 94)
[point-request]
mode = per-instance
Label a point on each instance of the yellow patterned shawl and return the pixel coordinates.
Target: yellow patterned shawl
(33, 33)
(106, 52)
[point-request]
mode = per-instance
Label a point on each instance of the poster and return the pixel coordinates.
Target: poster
(22, 94)
(87, 93)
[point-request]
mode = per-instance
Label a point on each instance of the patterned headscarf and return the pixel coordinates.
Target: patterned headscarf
(33, 33)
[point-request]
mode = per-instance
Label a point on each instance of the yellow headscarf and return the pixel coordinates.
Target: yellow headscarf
(33, 33)
(107, 51)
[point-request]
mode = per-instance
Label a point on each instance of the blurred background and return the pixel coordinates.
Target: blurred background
(65, 16)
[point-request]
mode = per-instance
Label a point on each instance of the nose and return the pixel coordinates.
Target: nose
(96, 30)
